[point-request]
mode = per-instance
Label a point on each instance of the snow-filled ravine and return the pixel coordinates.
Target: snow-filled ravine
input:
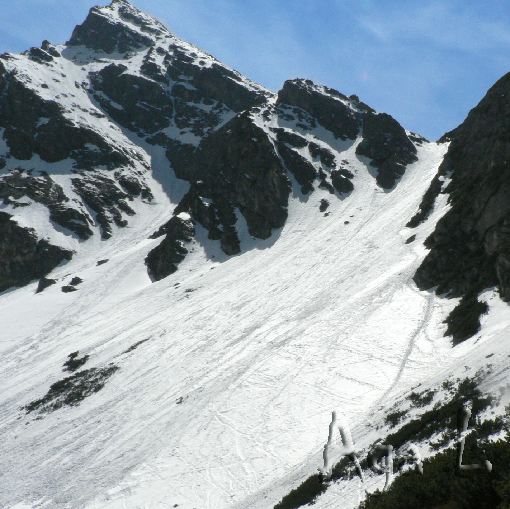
(225, 399)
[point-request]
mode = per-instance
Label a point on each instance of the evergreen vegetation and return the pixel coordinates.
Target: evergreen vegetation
(438, 485)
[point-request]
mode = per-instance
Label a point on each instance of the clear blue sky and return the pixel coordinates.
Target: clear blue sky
(426, 63)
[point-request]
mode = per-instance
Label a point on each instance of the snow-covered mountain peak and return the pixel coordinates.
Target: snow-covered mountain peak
(309, 86)
(118, 27)
(120, 31)
(195, 271)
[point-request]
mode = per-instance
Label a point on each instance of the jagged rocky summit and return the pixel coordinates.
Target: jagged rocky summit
(79, 123)
(82, 125)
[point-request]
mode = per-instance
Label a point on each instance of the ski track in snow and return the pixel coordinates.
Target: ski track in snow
(227, 404)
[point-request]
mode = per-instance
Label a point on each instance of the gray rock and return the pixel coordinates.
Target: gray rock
(99, 32)
(386, 143)
(44, 190)
(105, 198)
(470, 246)
(332, 114)
(239, 168)
(45, 283)
(23, 257)
(341, 180)
(303, 171)
(163, 259)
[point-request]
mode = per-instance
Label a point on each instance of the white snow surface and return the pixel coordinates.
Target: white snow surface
(227, 404)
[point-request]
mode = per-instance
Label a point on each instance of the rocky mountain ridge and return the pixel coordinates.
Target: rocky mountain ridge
(82, 122)
(220, 266)
(470, 247)
(123, 87)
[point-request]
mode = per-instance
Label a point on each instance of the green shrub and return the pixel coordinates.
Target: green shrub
(421, 399)
(394, 418)
(440, 486)
(72, 390)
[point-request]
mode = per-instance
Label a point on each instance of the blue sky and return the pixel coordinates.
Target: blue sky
(425, 63)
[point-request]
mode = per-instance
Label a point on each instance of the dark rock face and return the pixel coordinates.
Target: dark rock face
(386, 143)
(290, 138)
(325, 156)
(39, 55)
(101, 33)
(54, 139)
(341, 180)
(44, 283)
(216, 215)
(470, 247)
(103, 195)
(174, 97)
(105, 198)
(239, 168)
(50, 49)
(44, 190)
(427, 203)
(384, 139)
(303, 171)
(163, 259)
(236, 167)
(328, 108)
(25, 258)
(216, 82)
(180, 156)
(140, 104)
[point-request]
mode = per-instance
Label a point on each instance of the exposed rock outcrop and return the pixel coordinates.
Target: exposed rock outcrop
(137, 103)
(163, 259)
(101, 32)
(105, 198)
(24, 257)
(330, 108)
(303, 171)
(215, 82)
(237, 167)
(470, 247)
(34, 125)
(386, 143)
(44, 190)
(45, 283)
(341, 180)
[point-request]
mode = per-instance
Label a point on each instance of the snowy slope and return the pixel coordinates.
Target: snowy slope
(70, 83)
(228, 402)
(228, 369)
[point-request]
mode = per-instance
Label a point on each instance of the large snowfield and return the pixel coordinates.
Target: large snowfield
(226, 399)
(230, 368)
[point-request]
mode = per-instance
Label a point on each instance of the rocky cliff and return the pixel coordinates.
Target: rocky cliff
(470, 247)
(82, 122)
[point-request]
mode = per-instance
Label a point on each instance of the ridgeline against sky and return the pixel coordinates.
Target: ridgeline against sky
(425, 64)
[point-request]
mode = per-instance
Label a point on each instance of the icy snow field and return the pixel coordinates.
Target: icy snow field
(227, 404)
